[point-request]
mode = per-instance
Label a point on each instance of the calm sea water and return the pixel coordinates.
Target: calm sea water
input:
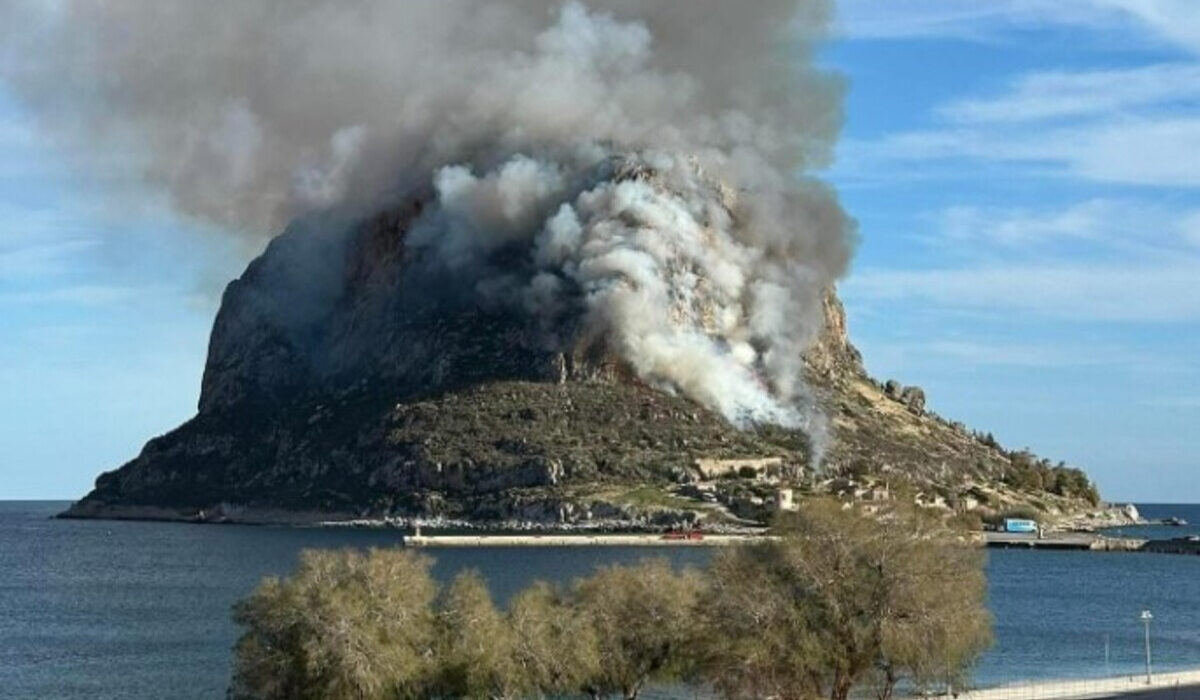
(127, 610)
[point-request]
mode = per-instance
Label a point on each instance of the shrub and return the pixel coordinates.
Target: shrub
(345, 625)
(644, 620)
(842, 600)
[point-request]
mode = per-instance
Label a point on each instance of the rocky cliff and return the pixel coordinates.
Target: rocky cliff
(343, 381)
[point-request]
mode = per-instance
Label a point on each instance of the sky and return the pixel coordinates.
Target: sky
(1024, 174)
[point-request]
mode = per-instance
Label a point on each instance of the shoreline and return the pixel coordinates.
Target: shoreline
(444, 527)
(445, 532)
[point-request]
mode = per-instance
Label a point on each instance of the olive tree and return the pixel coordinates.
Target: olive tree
(840, 600)
(934, 622)
(476, 651)
(345, 625)
(554, 642)
(644, 619)
(757, 640)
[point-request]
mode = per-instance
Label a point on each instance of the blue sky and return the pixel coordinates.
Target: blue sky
(1024, 173)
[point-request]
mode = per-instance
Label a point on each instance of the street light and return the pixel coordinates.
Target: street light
(1146, 618)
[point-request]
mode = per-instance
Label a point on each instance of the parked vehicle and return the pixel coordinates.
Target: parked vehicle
(1020, 525)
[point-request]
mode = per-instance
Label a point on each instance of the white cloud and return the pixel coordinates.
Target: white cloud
(41, 259)
(1133, 125)
(1131, 292)
(1024, 227)
(1124, 260)
(968, 19)
(1173, 22)
(1058, 94)
(1189, 225)
(1144, 151)
(1031, 355)
(78, 295)
(1098, 227)
(15, 135)
(1187, 402)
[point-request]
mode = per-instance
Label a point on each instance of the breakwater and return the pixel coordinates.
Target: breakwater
(582, 540)
(1091, 542)
(1064, 540)
(1078, 541)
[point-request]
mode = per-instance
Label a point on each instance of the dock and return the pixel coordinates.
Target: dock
(1178, 545)
(1088, 541)
(1077, 541)
(582, 540)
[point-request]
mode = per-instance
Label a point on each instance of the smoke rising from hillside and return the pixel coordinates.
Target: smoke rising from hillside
(646, 157)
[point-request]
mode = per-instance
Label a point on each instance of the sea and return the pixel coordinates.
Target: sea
(141, 610)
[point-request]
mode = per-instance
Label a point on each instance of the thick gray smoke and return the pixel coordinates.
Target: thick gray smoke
(649, 157)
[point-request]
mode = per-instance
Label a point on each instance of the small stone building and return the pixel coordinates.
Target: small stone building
(716, 468)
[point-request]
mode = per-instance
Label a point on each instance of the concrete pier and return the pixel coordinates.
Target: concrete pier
(1080, 541)
(568, 540)
(1062, 540)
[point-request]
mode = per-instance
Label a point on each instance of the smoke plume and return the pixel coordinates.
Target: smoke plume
(646, 160)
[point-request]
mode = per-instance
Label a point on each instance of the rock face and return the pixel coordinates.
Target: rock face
(340, 384)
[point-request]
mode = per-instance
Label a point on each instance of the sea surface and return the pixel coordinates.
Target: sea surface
(140, 611)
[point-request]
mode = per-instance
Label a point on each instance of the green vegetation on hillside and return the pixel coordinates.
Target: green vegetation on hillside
(1028, 473)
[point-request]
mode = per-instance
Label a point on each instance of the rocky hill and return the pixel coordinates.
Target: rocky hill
(342, 383)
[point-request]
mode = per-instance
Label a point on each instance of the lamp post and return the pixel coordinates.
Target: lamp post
(1146, 618)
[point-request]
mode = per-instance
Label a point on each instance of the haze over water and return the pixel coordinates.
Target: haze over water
(140, 610)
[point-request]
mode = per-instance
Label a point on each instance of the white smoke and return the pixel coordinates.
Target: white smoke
(661, 268)
(646, 159)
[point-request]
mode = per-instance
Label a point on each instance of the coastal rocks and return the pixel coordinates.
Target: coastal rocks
(1109, 516)
(913, 397)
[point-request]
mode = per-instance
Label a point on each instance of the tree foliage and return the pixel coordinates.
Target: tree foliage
(1028, 473)
(643, 619)
(555, 643)
(758, 641)
(345, 625)
(835, 602)
(476, 645)
(841, 600)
